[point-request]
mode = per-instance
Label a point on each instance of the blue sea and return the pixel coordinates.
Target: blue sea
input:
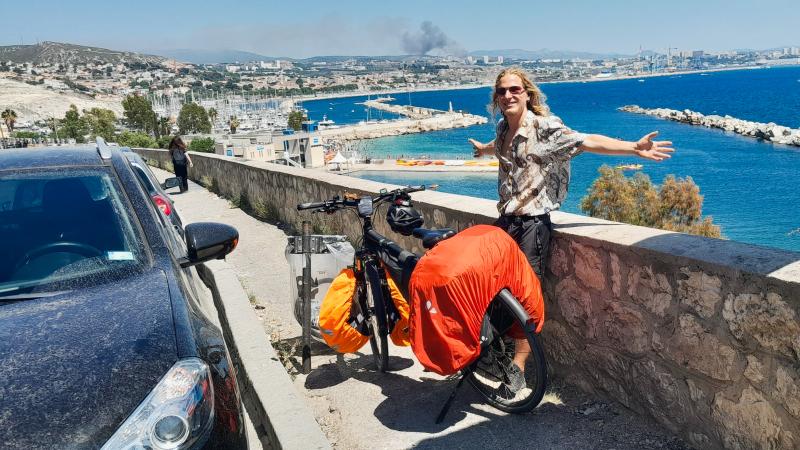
(749, 186)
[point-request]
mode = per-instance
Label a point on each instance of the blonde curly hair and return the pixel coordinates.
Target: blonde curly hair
(536, 99)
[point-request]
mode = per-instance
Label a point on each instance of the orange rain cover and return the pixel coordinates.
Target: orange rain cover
(401, 333)
(339, 316)
(336, 320)
(453, 284)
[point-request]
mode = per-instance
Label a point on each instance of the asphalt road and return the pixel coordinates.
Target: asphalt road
(359, 408)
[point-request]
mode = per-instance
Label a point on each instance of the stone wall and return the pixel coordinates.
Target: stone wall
(701, 334)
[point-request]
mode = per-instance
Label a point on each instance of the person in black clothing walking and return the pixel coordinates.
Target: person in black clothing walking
(180, 159)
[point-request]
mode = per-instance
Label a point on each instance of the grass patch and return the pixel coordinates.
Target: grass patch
(265, 211)
(288, 353)
(321, 228)
(242, 201)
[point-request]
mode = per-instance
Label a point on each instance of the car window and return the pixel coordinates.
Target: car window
(146, 182)
(65, 228)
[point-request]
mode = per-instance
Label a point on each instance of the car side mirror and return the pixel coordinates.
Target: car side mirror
(171, 183)
(208, 240)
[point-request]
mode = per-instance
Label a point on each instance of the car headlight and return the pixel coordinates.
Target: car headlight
(177, 413)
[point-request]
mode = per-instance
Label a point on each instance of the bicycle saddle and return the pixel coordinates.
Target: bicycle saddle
(433, 237)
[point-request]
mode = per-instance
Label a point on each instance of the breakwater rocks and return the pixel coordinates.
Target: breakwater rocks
(759, 130)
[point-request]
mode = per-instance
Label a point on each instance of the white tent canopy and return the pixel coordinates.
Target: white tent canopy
(338, 159)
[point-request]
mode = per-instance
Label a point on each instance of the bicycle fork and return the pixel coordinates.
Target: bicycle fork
(376, 287)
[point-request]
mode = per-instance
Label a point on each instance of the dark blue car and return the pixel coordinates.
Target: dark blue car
(107, 336)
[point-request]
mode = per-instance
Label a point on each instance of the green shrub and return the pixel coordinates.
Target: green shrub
(26, 135)
(205, 145)
(163, 141)
(136, 140)
(676, 205)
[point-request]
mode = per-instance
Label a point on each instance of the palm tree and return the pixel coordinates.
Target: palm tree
(234, 124)
(163, 126)
(9, 117)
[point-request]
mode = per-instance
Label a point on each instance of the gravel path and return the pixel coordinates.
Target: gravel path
(359, 408)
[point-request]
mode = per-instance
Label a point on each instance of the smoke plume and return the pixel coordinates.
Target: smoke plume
(430, 37)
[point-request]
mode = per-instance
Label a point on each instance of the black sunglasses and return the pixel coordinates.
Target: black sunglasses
(515, 90)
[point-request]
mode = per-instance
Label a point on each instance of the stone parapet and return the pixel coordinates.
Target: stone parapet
(702, 334)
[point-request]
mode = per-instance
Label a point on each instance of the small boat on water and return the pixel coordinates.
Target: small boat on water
(629, 167)
(326, 123)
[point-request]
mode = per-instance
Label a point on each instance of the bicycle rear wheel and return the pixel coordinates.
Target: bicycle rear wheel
(378, 338)
(493, 376)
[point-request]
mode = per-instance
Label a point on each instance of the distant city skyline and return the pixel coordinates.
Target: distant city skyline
(368, 28)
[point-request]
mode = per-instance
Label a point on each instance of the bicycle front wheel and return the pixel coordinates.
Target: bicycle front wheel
(495, 376)
(378, 338)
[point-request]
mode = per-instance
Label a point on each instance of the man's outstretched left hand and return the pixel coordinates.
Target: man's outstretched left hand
(647, 148)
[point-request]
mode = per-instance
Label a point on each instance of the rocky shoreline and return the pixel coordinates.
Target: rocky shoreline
(767, 131)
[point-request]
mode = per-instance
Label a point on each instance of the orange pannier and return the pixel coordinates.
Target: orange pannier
(341, 323)
(451, 288)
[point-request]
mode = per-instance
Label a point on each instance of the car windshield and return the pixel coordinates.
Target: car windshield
(63, 229)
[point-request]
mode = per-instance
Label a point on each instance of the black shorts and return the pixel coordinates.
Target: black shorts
(532, 234)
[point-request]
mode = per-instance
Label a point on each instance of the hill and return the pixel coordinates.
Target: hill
(195, 56)
(33, 103)
(60, 53)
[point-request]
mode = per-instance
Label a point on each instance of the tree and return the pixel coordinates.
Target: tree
(212, 115)
(139, 113)
(677, 205)
(73, 125)
(193, 119)
(295, 120)
(234, 124)
(9, 117)
(101, 122)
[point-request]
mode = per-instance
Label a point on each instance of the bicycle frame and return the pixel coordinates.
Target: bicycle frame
(377, 249)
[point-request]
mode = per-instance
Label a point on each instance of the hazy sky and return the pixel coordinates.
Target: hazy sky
(376, 27)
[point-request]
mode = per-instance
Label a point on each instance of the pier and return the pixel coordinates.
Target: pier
(418, 120)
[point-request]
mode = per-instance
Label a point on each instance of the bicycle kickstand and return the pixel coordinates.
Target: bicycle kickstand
(452, 396)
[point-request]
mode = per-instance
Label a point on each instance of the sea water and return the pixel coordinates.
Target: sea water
(749, 186)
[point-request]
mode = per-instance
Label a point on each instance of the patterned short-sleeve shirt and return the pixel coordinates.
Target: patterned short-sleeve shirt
(534, 173)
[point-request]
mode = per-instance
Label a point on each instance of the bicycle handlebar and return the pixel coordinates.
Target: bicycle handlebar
(337, 203)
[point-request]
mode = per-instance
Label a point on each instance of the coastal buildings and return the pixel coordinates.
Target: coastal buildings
(296, 149)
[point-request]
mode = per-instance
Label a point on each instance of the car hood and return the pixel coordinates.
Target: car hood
(74, 366)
